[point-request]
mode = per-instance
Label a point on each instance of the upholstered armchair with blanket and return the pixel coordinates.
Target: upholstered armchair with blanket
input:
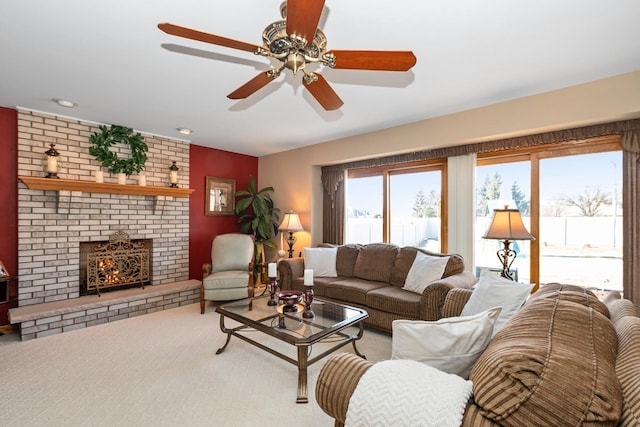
(230, 274)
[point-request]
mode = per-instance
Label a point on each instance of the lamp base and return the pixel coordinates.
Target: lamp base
(291, 240)
(506, 255)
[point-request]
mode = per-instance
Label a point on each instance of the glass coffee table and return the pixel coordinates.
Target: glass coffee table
(327, 325)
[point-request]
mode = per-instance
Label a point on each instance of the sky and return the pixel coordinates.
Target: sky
(568, 176)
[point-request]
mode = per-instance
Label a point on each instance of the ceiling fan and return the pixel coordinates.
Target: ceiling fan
(296, 41)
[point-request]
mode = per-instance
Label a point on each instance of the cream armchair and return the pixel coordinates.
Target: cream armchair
(230, 274)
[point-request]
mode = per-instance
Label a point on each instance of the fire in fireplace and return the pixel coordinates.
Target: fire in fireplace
(120, 262)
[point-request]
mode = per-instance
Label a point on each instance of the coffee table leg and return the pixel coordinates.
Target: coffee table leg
(302, 374)
(226, 331)
(360, 333)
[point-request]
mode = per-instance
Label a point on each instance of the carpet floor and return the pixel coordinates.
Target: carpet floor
(159, 369)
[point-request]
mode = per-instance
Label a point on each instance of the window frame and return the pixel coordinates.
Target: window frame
(533, 155)
(386, 172)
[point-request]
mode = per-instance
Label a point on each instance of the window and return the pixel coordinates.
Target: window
(414, 209)
(364, 210)
(403, 206)
(569, 196)
(581, 220)
(499, 185)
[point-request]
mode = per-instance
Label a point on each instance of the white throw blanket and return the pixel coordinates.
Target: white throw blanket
(408, 393)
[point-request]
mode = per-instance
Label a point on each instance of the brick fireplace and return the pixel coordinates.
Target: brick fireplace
(51, 224)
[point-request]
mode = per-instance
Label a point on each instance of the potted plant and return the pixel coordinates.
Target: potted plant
(259, 217)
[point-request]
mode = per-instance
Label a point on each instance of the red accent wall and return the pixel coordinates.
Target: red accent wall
(8, 201)
(205, 162)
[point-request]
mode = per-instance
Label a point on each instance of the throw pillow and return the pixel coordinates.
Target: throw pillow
(451, 344)
(496, 291)
(322, 261)
(424, 270)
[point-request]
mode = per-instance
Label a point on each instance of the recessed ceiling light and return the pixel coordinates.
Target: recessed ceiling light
(65, 103)
(185, 131)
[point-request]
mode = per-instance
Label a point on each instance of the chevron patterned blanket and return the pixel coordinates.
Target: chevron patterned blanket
(408, 393)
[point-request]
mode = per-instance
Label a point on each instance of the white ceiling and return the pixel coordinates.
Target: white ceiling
(110, 58)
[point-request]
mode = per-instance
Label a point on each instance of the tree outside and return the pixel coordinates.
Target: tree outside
(518, 196)
(426, 206)
(490, 190)
(590, 202)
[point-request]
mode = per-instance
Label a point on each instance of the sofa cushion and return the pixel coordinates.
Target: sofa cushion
(375, 262)
(321, 260)
(346, 261)
(351, 290)
(574, 293)
(346, 258)
(494, 291)
(450, 344)
(551, 349)
(424, 270)
(406, 256)
(392, 299)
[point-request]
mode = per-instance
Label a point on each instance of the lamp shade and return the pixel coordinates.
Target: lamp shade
(507, 225)
(290, 222)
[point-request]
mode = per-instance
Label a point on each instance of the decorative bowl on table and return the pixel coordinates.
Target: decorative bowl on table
(289, 299)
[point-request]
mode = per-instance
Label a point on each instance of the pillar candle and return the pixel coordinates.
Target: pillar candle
(52, 164)
(99, 176)
(272, 269)
(308, 277)
(142, 180)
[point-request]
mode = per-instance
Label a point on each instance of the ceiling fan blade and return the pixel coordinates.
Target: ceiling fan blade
(189, 33)
(378, 60)
(252, 86)
(303, 17)
(323, 93)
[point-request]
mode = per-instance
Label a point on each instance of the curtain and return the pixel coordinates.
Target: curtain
(461, 211)
(333, 208)
(631, 226)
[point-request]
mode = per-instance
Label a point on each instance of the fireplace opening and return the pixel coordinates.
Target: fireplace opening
(118, 263)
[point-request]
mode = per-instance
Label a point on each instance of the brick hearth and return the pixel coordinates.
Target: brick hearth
(41, 320)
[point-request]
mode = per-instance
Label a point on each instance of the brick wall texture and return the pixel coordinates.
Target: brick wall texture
(52, 224)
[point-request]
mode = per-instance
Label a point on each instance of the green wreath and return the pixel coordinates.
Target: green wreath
(101, 149)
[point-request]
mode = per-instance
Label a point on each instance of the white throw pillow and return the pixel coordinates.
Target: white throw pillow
(496, 291)
(424, 270)
(322, 261)
(451, 344)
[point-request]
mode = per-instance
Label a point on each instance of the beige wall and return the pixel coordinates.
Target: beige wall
(295, 174)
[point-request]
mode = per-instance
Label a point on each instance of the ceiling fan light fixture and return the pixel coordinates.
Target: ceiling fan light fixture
(295, 62)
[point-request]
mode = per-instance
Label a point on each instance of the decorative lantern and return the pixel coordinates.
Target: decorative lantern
(52, 162)
(173, 175)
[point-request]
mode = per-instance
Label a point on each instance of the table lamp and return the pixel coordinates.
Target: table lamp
(291, 223)
(507, 226)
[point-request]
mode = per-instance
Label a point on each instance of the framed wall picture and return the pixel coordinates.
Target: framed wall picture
(3, 270)
(220, 196)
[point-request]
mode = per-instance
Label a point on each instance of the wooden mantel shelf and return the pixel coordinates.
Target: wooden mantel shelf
(34, 183)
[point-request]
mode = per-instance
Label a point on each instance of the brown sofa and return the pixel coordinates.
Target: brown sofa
(565, 358)
(371, 277)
